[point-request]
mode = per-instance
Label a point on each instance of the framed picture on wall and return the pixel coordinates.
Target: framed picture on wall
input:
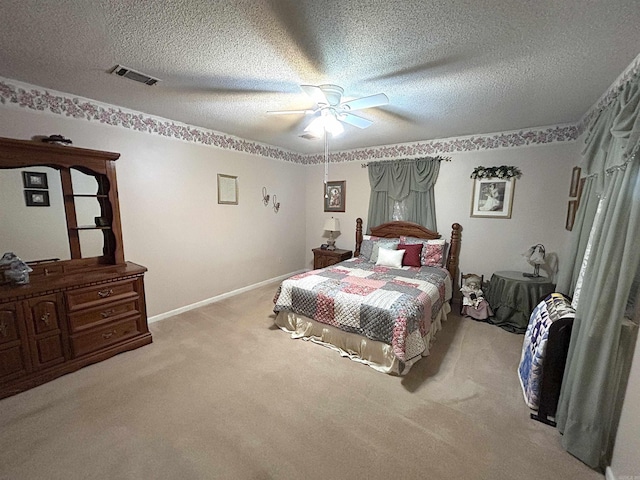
(37, 198)
(35, 180)
(571, 214)
(575, 182)
(227, 189)
(335, 196)
(492, 198)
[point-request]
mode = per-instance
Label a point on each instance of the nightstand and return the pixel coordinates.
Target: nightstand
(324, 258)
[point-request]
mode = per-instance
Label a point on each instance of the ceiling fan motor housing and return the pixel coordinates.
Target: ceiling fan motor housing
(333, 93)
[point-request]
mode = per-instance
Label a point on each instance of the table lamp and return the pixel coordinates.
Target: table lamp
(331, 225)
(535, 256)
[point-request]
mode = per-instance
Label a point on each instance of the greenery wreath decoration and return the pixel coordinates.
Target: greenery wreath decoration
(496, 172)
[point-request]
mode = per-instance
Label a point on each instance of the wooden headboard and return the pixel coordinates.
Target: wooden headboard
(410, 229)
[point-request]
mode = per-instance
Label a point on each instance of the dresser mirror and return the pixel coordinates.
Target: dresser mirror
(37, 233)
(32, 232)
(75, 222)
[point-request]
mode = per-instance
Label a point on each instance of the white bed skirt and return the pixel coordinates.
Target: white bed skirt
(376, 354)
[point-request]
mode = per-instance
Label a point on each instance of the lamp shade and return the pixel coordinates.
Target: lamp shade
(332, 224)
(535, 255)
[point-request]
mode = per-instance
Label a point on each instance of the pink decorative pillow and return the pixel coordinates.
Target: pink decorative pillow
(412, 254)
(432, 254)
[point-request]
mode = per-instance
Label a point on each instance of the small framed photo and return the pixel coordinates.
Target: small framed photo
(575, 182)
(580, 188)
(335, 196)
(571, 214)
(37, 198)
(227, 189)
(492, 198)
(35, 180)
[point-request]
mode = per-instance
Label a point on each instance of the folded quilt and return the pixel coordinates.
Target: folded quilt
(390, 305)
(530, 371)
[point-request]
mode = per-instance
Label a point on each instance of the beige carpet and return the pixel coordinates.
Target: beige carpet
(221, 393)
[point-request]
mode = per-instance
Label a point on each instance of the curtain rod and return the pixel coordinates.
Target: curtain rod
(439, 158)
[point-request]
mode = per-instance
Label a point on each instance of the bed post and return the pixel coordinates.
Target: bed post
(454, 251)
(358, 236)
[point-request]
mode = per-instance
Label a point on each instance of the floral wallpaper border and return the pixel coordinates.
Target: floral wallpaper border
(39, 99)
(472, 143)
(33, 98)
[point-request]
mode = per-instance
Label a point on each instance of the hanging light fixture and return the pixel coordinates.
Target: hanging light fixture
(324, 124)
(326, 121)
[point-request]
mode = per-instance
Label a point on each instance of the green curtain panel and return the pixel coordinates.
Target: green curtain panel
(599, 353)
(408, 181)
(589, 200)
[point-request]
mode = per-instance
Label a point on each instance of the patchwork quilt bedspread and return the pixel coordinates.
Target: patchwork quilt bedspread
(393, 306)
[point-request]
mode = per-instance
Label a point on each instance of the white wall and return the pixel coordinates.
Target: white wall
(488, 244)
(625, 463)
(194, 248)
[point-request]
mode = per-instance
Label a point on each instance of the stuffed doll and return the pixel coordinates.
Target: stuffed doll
(473, 303)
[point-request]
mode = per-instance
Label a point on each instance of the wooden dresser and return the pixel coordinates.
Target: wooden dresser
(76, 311)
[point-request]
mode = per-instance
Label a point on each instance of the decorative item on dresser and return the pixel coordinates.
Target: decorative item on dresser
(323, 257)
(79, 310)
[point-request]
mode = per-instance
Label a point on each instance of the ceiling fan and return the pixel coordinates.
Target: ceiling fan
(331, 110)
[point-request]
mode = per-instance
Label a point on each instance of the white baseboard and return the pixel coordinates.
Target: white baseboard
(608, 474)
(202, 303)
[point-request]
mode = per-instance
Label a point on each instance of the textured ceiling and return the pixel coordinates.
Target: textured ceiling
(449, 67)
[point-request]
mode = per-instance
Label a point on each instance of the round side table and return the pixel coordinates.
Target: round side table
(513, 297)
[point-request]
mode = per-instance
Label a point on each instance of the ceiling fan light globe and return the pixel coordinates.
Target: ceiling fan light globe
(316, 127)
(325, 122)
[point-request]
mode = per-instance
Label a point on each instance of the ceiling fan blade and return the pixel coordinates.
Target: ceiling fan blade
(290, 112)
(315, 93)
(366, 102)
(354, 120)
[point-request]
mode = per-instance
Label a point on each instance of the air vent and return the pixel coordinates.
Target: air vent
(133, 75)
(308, 136)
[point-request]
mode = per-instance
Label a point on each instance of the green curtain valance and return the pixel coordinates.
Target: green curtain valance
(398, 178)
(407, 181)
(614, 133)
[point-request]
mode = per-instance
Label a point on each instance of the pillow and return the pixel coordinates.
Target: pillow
(384, 245)
(390, 258)
(432, 251)
(366, 248)
(412, 254)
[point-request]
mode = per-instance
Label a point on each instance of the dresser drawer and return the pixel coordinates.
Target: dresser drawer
(107, 312)
(8, 323)
(98, 294)
(104, 336)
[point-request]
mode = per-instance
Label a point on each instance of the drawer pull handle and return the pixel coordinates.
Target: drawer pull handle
(108, 334)
(107, 313)
(105, 293)
(45, 318)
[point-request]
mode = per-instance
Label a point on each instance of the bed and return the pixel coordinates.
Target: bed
(371, 308)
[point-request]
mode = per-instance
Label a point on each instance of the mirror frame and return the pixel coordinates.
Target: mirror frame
(30, 153)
